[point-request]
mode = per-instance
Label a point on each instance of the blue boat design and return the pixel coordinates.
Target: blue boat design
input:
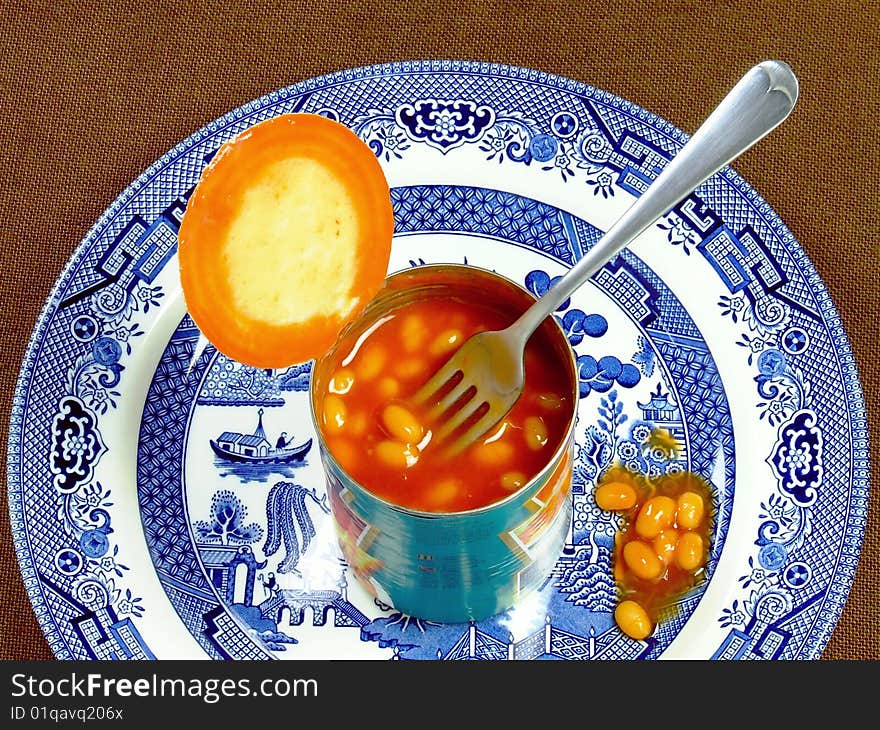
(256, 448)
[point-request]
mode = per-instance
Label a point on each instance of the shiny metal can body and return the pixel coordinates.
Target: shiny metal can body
(453, 566)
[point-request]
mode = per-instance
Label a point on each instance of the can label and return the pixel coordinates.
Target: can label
(545, 506)
(535, 575)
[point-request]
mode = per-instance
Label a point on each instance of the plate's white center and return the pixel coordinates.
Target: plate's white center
(289, 249)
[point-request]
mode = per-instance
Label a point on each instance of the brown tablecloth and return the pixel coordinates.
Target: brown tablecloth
(92, 95)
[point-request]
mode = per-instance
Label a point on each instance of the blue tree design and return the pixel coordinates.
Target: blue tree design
(586, 580)
(611, 415)
(576, 323)
(226, 525)
(286, 509)
(600, 375)
(539, 283)
(296, 378)
(644, 357)
(591, 457)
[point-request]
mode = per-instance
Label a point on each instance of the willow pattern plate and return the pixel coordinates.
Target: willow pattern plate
(139, 538)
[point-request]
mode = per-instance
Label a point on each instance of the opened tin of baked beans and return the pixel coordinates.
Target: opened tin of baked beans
(453, 566)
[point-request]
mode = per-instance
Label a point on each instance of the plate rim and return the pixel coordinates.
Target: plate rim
(840, 584)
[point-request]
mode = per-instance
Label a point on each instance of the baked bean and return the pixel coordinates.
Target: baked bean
(664, 545)
(402, 424)
(388, 388)
(397, 455)
(513, 480)
(633, 620)
(412, 329)
(446, 342)
(535, 431)
(493, 453)
(444, 492)
(369, 363)
(689, 552)
(655, 515)
(641, 560)
(690, 510)
(342, 381)
(357, 423)
(615, 496)
(410, 368)
(335, 413)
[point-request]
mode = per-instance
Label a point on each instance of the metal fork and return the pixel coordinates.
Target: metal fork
(488, 369)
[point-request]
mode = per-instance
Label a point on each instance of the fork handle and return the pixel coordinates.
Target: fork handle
(759, 102)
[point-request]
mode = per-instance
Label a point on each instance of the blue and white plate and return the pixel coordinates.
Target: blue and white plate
(168, 502)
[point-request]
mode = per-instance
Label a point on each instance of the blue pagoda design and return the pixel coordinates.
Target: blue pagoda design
(664, 413)
(221, 562)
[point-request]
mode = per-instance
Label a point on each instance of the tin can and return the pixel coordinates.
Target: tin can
(452, 566)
